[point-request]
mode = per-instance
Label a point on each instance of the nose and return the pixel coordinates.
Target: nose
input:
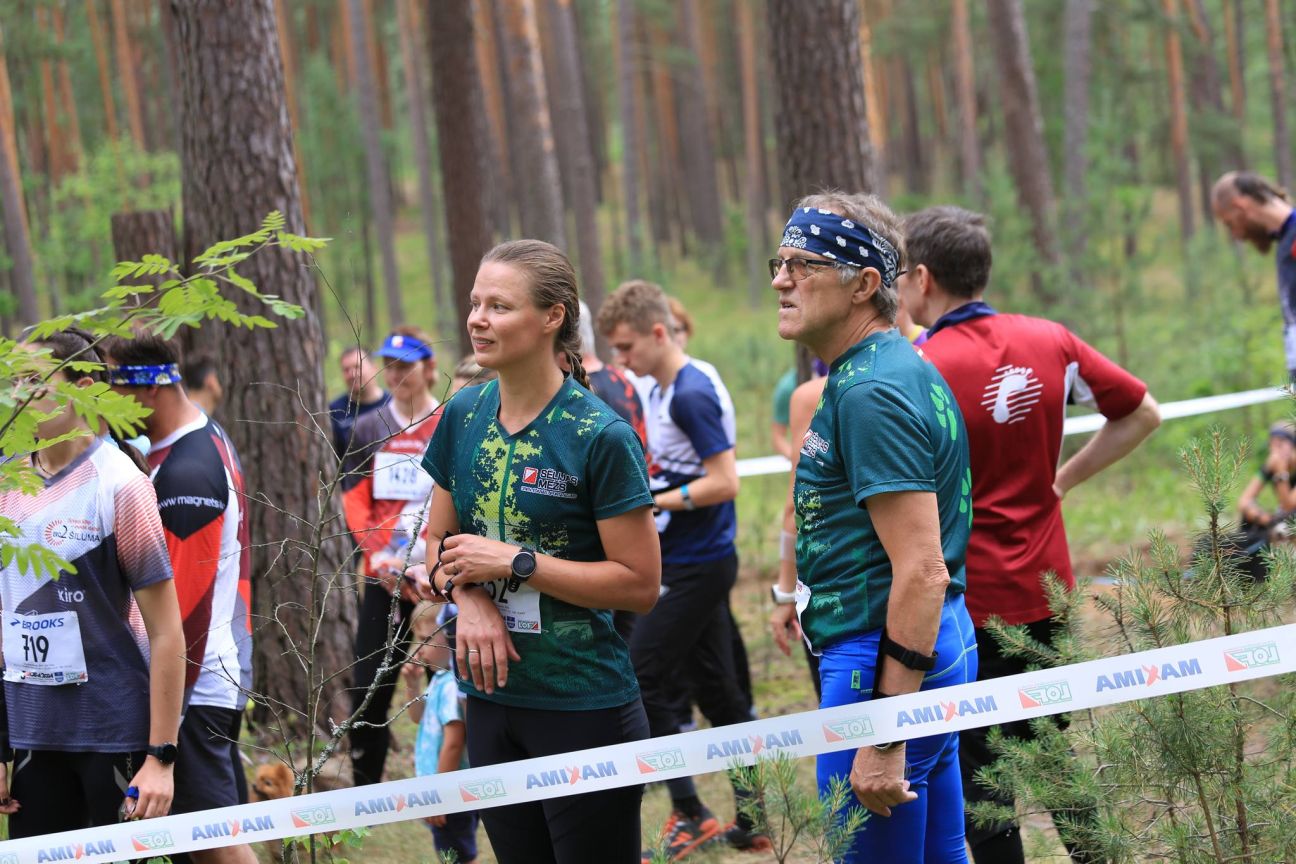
(783, 278)
(475, 318)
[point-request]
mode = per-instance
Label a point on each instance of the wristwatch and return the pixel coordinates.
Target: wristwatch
(781, 597)
(523, 566)
(164, 753)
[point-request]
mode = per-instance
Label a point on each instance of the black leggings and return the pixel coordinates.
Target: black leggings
(62, 791)
(369, 743)
(575, 829)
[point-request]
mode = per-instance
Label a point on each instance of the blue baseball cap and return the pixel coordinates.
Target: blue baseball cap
(408, 349)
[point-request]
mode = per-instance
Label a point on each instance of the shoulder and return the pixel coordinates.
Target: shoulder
(340, 406)
(695, 384)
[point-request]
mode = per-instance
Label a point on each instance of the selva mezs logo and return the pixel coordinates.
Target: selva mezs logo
(660, 760)
(482, 790)
(944, 712)
(849, 729)
(753, 745)
(549, 481)
(1039, 695)
(313, 817)
(571, 776)
(396, 803)
(232, 827)
(1263, 654)
(72, 851)
(152, 841)
(1146, 676)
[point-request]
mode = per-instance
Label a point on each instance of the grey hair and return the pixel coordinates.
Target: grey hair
(586, 327)
(867, 210)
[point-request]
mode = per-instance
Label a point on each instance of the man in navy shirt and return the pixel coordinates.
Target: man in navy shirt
(363, 395)
(1260, 213)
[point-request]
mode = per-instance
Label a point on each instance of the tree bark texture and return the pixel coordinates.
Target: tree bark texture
(126, 71)
(1178, 119)
(463, 145)
(873, 101)
(21, 279)
(912, 146)
(822, 121)
(104, 62)
(55, 140)
(142, 232)
(237, 166)
(666, 181)
(573, 120)
(627, 36)
(1024, 130)
(1218, 139)
(66, 101)
(9, 131)
(753, 188)
(491, 71)
(1278, 93)
(283, 26)
(537, 183)
(965, 93)
(1234, 36)
(1077, 27)
(379, 192)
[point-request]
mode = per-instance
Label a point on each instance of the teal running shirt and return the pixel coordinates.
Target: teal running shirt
(886, 423)
(545, 487)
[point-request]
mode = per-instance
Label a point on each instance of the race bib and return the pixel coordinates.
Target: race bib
(520, 609)
(398, 477)
(44, 649)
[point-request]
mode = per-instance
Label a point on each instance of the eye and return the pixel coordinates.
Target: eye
(499, 307)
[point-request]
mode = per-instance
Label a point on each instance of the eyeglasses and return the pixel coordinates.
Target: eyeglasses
(801, 268)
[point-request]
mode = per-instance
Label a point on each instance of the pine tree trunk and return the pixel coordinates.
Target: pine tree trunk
(672, 215)
(145, 232)
(1178, 120)
(104, 63)
(1278, 92)
(1220, 147)
(873, 100)
(17, 242)
(697, 147)
(823, 135)
(379, 192)
(912, 146)
(1234, 38)
(283, 27)
(9, 135)
(68, 104)
(593, 89)
(490, 66)
(965, 87)
(238, 166)
(753, 191)
(1076, 53)
(631, 131)
(463, 143)
(1024, 134)
(55, 141)
(540, 196)
(407, 14)
(573, 119)
(378, 63)
(126, 72)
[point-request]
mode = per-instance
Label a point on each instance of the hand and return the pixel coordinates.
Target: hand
(438, 821)
(470, 559)
(1059, 492)
(156, 785)
(386, 569)
(7, 805)
(785, 627)
(483, 646)
(877, 778)
(414, 676)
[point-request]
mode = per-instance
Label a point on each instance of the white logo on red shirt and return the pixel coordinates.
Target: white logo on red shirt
(1011, 393)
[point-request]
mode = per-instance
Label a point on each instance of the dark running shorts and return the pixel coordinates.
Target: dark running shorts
(204, 770)
(459, 835)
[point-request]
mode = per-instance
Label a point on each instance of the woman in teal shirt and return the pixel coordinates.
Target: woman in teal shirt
(542, 500)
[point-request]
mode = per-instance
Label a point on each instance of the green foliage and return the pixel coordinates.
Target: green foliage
(796, 819)
(332, 846)
(41, 389)
(1191, 777)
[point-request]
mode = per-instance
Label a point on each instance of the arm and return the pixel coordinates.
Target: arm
(908, 524)
(783, 621)
(1115, 440)
(630, 578)
(415, 685)
(449, 759)
(720, 484)
(1248, 506)
(161, 613)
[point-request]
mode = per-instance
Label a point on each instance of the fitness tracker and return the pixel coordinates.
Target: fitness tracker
(164, 753)
(523, 566)
(908, 658)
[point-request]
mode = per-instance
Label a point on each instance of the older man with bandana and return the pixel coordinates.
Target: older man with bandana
(883, 510)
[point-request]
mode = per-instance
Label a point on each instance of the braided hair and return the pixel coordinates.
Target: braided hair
(553, 283)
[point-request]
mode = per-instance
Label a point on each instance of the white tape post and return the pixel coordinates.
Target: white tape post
(1078, 425)
(1092, 684)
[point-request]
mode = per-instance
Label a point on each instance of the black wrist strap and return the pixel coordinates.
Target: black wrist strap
(908, 658)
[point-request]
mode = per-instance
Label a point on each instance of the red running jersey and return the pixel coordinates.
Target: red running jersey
(1013, 377)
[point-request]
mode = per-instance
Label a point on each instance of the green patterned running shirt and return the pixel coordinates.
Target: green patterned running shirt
(545, 487)
(887, 422)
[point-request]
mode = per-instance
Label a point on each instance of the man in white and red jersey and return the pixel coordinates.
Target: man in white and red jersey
(1013, 377)
(201, 498)
(384, 494)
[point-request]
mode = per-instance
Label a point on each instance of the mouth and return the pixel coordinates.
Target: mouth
(481, 344)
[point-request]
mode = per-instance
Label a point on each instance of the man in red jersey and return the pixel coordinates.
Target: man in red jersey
(1013, 377)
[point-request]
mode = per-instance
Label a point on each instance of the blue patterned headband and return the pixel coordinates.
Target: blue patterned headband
(144, 376)
(834, 237)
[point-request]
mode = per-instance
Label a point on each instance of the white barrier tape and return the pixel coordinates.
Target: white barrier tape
(1108, 681)
(1079, 425)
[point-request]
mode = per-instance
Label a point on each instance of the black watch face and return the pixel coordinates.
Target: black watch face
(165, 753)
(524, 564)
